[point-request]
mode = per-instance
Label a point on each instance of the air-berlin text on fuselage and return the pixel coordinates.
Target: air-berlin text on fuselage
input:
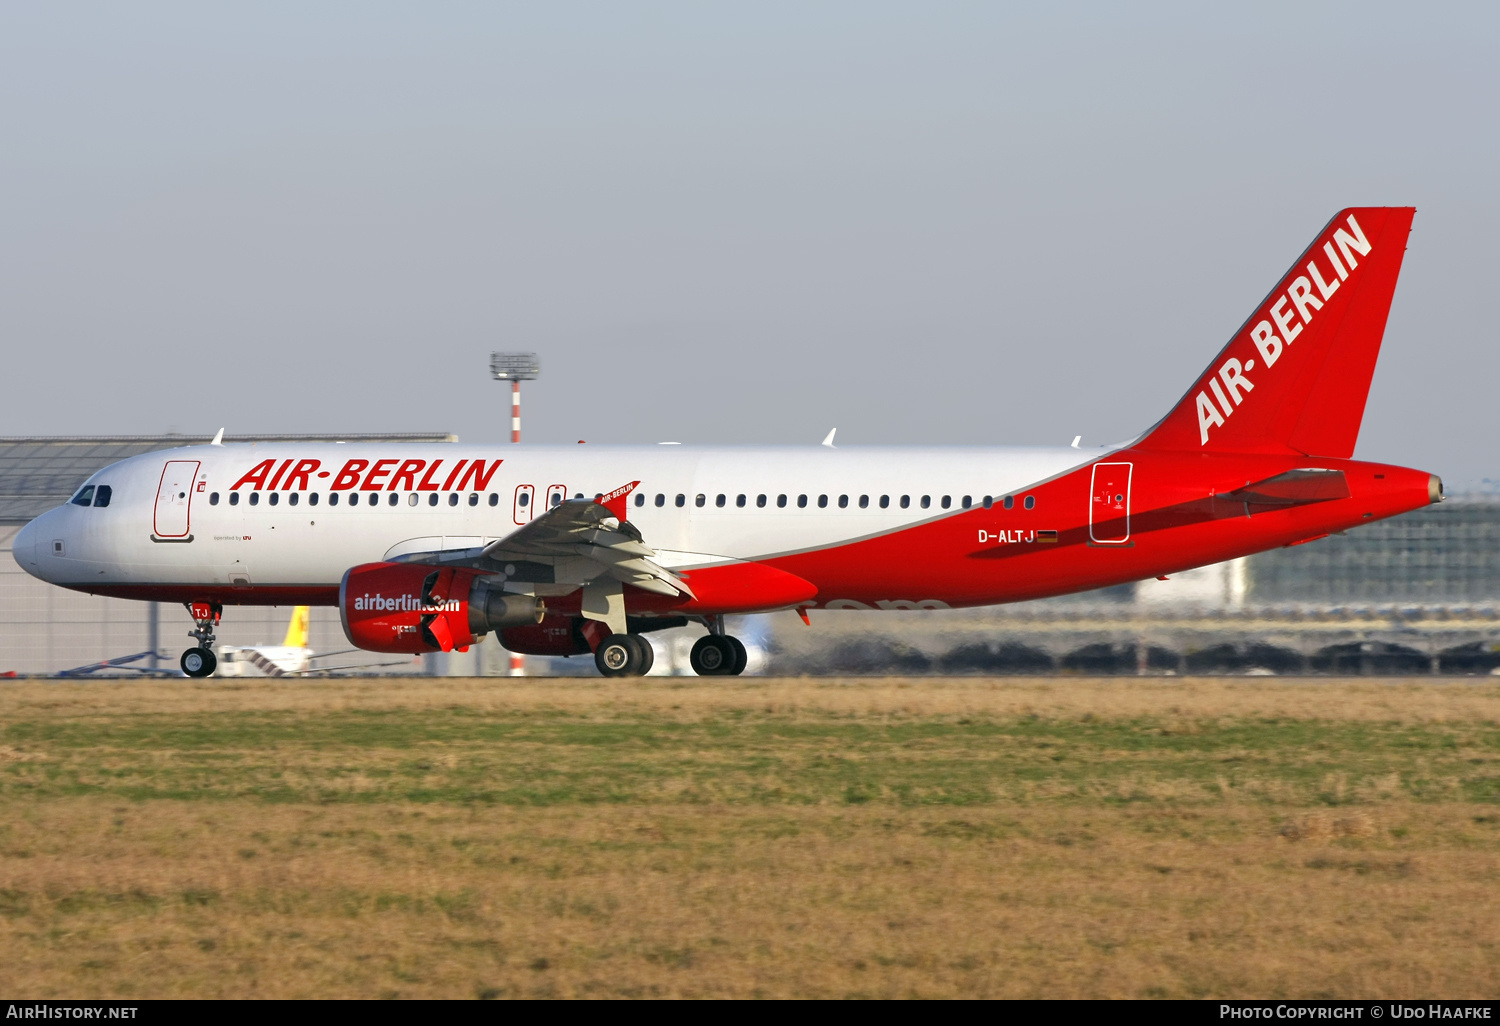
(402, 604)
(1291, 311)
(384, 475)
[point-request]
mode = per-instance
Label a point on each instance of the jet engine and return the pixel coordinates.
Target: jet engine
(411, 608)
(550, 636)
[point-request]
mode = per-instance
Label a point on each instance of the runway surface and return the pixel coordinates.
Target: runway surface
(698, 837)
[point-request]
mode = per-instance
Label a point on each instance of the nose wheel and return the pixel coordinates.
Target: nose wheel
(201, 661)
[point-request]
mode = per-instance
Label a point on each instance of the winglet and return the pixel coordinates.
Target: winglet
(829, 440)
(615, 501)
(1076, 440)
(218, 438)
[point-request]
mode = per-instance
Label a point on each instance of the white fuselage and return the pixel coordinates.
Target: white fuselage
(697, 505)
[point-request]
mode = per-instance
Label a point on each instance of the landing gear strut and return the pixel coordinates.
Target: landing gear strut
(201, 661)
(717, 654)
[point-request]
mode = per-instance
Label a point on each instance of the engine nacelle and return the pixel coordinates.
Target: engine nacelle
(552, 636)
(411, 608)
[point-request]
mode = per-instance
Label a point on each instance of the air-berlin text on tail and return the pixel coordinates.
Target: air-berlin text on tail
(1283, 319)
(386, 475)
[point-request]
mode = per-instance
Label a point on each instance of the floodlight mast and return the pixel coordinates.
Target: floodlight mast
(515, 368)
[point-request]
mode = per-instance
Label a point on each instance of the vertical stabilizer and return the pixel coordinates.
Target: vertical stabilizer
(296, 630)
(1295, 377)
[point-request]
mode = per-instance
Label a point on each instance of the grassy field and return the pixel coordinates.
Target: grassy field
(973, 837)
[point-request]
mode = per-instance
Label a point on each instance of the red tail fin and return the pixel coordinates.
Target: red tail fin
(1295, 376)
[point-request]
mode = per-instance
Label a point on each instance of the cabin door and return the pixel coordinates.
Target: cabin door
(1109, 503)
(174, 496)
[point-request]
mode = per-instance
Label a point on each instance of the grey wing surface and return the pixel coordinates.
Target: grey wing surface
(574, 543)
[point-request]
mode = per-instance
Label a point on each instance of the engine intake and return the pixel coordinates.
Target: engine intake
(411, 608)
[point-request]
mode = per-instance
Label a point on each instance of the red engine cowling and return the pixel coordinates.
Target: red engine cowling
(411, 608)
(553, 636)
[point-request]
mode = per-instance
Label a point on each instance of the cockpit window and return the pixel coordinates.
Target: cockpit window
(102, 495)
(85, 497)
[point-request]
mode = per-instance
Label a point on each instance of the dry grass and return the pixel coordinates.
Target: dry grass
(974, 837)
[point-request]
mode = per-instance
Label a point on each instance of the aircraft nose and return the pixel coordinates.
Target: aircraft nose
(27, 547)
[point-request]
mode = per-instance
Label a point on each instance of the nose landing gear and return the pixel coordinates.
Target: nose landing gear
(201, 661)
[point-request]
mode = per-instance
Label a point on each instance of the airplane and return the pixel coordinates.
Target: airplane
(292, 656)
(583, 549)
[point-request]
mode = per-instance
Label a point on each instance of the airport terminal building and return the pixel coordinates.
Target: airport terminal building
(1417, 593)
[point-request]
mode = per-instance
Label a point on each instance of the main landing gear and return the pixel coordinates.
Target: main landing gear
(624, 655)
(717, 654)
(201, 661)
(630, 655)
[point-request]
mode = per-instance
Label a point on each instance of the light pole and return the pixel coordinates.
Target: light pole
(515, 368)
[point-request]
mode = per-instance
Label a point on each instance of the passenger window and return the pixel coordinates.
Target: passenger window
(1031, 502)
(864, 502)
(822, 502)
(760, 500)
(291, 499)
(432, 498)
(989, 500)
(661, 500)
(681, 500)
(843, 502)
(927, 501)
(1010, 501)
(524, 499)
(885, 501)
(473, 499)
(720, 500)
(412, 499)
(255, 498)
(801, 502)
(312, 498)
(578, 496)
(781, 502)
(947, 501)
(333, 499)
(85, 497)
(967, 502)
(213, 499)
(395, 498)
(701, 500)
(494, 499)
(640, 499)
(234, 498)
(905, 501)
(453, 498)
(740, 500)
(274, 498)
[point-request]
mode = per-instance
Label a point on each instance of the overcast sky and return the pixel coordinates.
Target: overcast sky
(919, 223)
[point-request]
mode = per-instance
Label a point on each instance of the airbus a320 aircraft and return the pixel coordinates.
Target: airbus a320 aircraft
(579, 549)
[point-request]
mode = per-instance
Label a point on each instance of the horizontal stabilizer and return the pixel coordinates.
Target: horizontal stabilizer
(1294, 488)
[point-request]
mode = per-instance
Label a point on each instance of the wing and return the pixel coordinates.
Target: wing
(574, 543)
